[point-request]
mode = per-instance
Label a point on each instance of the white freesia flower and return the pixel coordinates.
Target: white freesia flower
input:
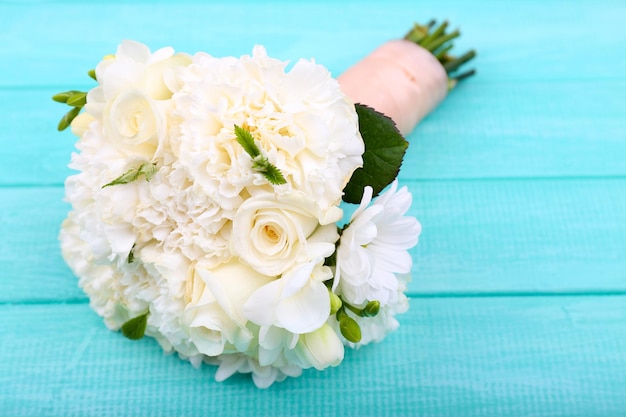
(214, 306)
(374, 247)
(322, 347)
(297, 302)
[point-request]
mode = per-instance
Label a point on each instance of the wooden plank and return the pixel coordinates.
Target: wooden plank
(32, 267)
(482, 131)
(526, 41)
(478, 237)
(520, 235)
(554, 356)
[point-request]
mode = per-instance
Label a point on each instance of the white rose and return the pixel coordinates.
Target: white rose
(321, 348)
(134, 124)
(134, 67)
(272, 235)
(214, 301)
(133, 96)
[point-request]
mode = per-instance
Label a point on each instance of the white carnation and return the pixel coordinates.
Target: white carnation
(301, 121)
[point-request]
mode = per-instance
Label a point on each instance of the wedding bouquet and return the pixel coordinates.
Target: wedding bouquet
(207, 209)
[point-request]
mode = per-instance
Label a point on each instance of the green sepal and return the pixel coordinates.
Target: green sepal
(384, 150)
(148, 170)
(77, 99)
(335, 302)
(62, 97)
(66, 120)
(135, 328)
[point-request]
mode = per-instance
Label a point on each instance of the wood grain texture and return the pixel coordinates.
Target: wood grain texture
(518, 179)
(554, 356)
(509, 236)
(518, 40)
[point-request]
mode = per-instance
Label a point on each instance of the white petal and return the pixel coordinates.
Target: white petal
(306, 311)
(260, 306)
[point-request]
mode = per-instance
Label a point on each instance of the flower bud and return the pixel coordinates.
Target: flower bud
(321, 348)
(371, 309)
(335, 302)
(350, 329)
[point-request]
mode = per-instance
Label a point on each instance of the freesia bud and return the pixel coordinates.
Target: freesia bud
(371, 309)
(335, 302)
(350, 329)
(321, 348)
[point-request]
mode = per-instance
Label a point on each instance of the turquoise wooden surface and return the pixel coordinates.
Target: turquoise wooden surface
(518, 299)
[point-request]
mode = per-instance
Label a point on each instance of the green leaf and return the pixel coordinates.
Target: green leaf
(77, 99)
(131, 254)
(384, 149)
(66, 120)
(269, 171)
(246, 140)
(260, 163)
(146, 169)
(135, 328)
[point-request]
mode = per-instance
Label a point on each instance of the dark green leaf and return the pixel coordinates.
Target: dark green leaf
(131, 254)
(384, 149)
(135, 328)
(66, 120)
(246, 140)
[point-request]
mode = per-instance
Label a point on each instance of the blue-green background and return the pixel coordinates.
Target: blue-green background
(518, 299)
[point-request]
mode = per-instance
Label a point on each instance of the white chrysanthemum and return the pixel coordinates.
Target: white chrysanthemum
(300, 119)
(374, 329)
(374, 248)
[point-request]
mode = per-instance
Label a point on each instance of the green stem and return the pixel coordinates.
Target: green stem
(432, 46)
(457, 62)
(434, 35)
(436, 41)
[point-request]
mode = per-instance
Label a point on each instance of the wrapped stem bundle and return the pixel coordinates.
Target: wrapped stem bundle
(406, 79)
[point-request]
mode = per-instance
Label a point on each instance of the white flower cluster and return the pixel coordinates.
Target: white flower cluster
(229, 268)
